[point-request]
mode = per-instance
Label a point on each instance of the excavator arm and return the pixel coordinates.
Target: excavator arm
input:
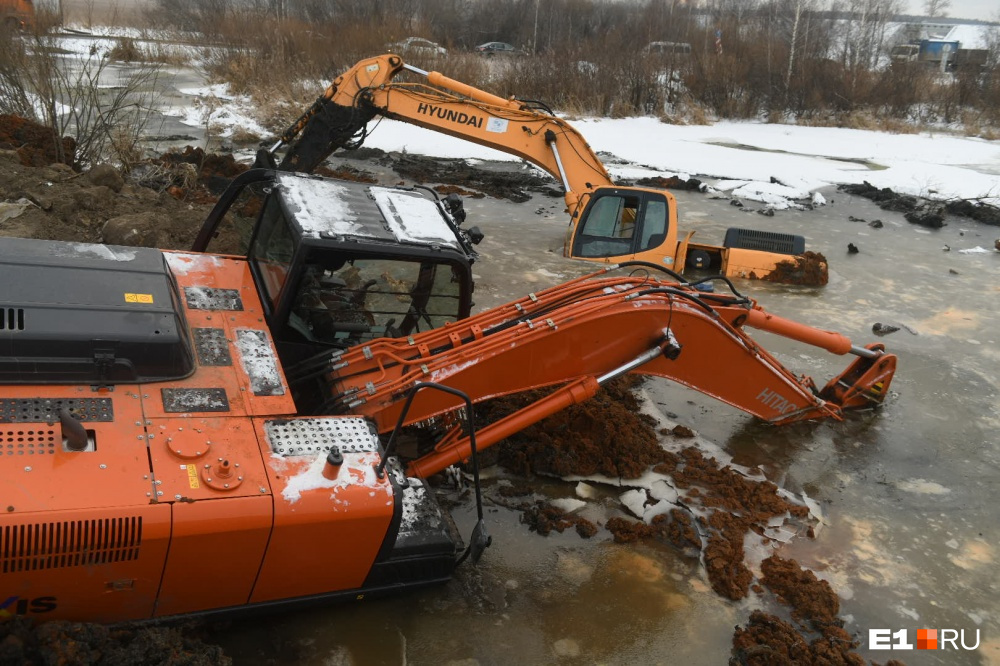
(578, 335)
(339, 117)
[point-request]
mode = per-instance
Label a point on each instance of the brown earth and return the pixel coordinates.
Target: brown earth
(72, 643)
(808, 269)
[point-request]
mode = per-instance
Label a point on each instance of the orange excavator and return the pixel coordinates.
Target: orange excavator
(608, 223)
(187, 433)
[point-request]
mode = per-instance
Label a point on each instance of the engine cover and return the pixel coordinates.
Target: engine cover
(88, 314)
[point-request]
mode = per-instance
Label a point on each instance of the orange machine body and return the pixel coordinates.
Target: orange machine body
(193, 494)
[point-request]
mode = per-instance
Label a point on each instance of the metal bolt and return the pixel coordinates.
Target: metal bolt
(237, 465)
(139, 437)
(103, 466)
(226, 485)
(239, 478)
(149, 494)
(197, 453)
(145, 476)
(209, 443)
(157, 482)
(207, 466)
(209, 480)
(220, 459)
(138, 423)
(150, 423)
(177, 497)
(178, 451)
(145, 395)
(151, 436)
(159, 493)
(263, 489)
(27, 469)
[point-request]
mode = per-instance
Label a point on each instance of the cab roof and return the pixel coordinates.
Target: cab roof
(322, 208)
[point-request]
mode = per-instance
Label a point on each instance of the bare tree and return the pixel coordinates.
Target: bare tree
(937, 7)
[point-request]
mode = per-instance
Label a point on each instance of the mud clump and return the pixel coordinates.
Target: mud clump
(885, 197)
(820, 637)
(83, 643)
(499, 184)
(543, 518)
(978, 211)
(605, 435)
(212, 173)
(925, 214)
(671, 183)
(809, 269)
(675, 527)
(928, 216)
(34, 143)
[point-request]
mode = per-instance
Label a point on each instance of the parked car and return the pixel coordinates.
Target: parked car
(494, 48)
(669, 48)
(417, 46)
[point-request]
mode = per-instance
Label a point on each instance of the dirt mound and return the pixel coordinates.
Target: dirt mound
(544, 518)
(808, 269)
(499, 184)
(926, 214)
(978, 211)
(820, 637)
(35, 144)
(605, 435)
(84, 643)
(56, 203)
(671, 183)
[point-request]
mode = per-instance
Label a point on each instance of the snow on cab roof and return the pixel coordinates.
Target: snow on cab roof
(322, 207)
(412, 217)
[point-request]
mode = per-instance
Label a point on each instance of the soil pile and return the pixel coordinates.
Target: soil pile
(819, 637)
(808, 269)
(77, 643)
(500, 184)
(55, 202)
(924, 213)
(35, 144)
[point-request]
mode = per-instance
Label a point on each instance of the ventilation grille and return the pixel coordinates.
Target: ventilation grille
(73, 543)
(46, 410)
(766, 241)
(21, 442)
(11, 319)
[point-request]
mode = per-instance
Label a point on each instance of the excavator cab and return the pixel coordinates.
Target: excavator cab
(624, 223)
(338, 263)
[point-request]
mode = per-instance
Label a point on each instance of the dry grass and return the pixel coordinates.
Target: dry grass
(597, 67)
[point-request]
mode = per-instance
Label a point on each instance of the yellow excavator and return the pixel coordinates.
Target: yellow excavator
(609, 223)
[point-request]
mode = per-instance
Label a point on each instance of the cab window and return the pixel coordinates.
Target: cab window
(272, 249)
(346, 301)
(654, 225)
(609, 226)
(621, 224)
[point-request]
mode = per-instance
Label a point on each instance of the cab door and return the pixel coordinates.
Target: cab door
(622, 224)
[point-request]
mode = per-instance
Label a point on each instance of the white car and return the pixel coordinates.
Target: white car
(417, 46)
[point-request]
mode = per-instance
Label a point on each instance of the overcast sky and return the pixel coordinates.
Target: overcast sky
(986, 10)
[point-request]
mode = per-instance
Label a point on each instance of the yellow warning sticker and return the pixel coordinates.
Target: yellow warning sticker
(138, 298)
(193, 476)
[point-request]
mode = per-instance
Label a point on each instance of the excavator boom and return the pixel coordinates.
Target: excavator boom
(578, 335)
